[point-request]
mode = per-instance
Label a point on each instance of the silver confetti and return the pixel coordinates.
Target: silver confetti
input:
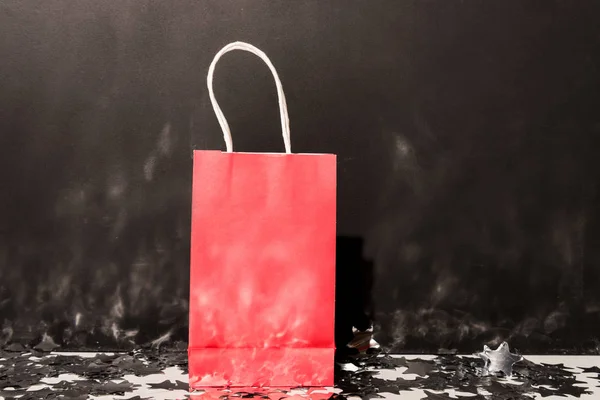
(499, 360)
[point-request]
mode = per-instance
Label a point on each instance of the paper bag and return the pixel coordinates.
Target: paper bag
(262, 262)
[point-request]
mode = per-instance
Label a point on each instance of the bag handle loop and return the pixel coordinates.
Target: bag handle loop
(285, 122)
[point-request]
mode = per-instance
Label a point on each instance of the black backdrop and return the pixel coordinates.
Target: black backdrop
(466, 133)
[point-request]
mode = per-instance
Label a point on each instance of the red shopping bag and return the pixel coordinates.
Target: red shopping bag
(262, 262)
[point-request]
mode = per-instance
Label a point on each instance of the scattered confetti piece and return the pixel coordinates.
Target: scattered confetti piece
(499, 360)
(419, 367)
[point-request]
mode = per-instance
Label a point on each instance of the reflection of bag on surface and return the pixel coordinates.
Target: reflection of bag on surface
(262, 262)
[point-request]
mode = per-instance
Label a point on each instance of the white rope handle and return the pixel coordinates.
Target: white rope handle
(285, 122)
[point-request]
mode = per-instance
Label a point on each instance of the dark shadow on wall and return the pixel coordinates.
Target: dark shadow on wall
(353, 292)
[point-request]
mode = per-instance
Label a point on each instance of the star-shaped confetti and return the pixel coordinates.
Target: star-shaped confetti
(593, 369)
(499, 360)
(47, 344)
(363, 341)
(437, 396)
(169, 385)
(419, 367)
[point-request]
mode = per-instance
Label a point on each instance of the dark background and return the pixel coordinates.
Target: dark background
(467, 134)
